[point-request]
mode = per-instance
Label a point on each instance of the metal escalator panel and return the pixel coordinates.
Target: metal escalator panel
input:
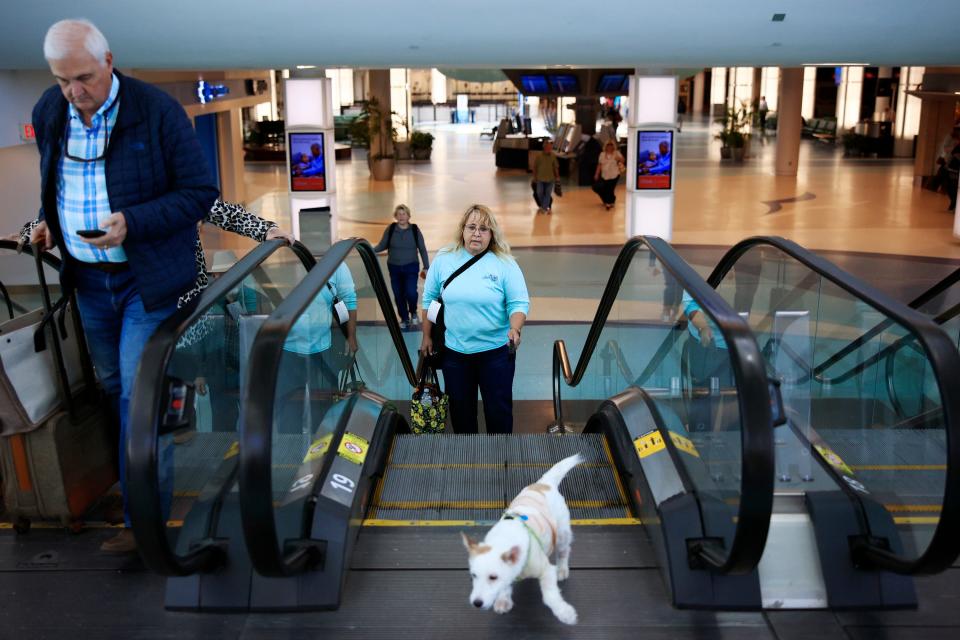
(185, 410)
(469, 479)
(863, 382)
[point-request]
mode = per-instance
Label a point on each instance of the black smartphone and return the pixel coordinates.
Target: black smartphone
(91, 233)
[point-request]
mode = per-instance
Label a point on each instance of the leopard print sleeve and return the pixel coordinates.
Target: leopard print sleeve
(233, 217)
(26, 230)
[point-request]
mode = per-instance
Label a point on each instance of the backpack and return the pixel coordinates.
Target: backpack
(416, 235)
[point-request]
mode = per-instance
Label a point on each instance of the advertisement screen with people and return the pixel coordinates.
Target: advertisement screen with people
(655, 160)
(308, 170)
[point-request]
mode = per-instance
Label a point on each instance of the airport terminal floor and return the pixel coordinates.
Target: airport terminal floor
(823, 420)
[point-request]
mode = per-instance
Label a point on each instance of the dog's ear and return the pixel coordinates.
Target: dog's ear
(512, 556)
(470, 545)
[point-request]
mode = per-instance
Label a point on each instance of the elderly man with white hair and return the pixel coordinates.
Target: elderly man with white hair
(123, 184)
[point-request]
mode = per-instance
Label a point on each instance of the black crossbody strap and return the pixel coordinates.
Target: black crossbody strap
(466, 265)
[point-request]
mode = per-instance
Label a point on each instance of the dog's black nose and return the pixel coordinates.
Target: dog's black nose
(478, 603)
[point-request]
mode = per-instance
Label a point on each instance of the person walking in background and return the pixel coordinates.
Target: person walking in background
(762, 110)
(546, 173)
(120, 157)
(681, 110)
(485, 308)
(402, 241)
(609, 167)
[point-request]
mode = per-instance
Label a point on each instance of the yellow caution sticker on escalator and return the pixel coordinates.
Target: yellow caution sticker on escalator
(353, 448)
(684, 444)
(833, 459)
(649, 444)
(318, 448)
(233, 451)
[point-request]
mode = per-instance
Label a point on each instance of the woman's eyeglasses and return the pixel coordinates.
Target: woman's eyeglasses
(472, 229)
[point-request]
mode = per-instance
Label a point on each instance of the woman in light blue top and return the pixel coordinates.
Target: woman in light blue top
(485, 308)
(309, 365)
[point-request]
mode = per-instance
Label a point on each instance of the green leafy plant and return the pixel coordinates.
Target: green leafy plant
(421, 140)
(374, 128)
(736, 124)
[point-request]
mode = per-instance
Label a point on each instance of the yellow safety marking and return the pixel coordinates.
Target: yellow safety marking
(93, 524)
(833, 459)
(684, 444)
(233, 451)
(487, 465)
(899, 467)
(318, 448)
(484, 504)
(616, 477)
(378, 522)
(894, 508)
(916, 520)
(353, 448)
(378, 492)
(649, 444)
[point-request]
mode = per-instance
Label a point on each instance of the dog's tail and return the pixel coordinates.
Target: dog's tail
(555, 475)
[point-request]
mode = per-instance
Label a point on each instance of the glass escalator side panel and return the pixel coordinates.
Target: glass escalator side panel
(855, 384)
(198, 436)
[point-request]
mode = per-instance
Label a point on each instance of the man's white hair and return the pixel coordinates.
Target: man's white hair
(63, 36)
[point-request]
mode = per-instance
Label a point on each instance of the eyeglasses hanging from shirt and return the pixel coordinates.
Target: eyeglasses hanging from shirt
(104, 122)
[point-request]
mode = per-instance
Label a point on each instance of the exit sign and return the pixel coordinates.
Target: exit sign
(27, 134)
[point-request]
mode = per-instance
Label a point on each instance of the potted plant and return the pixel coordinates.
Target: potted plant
(421, 143)
(733, 136)
(375, 127)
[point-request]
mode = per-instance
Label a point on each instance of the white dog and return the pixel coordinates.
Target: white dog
(520, 544)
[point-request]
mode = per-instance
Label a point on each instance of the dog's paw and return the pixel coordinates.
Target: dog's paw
(566, 613)
(563, 572)
(502, 605)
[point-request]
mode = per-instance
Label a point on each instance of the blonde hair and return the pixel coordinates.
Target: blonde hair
(62, 38)
(498, 245)
(401, 207)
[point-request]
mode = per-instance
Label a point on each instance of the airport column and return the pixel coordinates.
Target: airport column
(311, 169)
(650, 180)
(699, 86)
(789, 121)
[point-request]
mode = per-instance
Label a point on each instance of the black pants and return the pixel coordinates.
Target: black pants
(491, 372)
(403, 279)
(605, 189)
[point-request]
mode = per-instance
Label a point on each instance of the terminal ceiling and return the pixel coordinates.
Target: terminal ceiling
(226, 34)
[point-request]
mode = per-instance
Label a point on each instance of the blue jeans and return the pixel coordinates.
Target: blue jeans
(117, 328)
(403, 279)
(490, 371)
(545, 194)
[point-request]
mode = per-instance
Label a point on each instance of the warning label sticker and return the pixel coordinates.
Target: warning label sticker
(649, 444)
(684, 444)
(234, 450)
(833, 459)
(353, 448)
(318, 448)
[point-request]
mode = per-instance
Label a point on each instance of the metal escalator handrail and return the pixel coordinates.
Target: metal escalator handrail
(256, 446)
(944, 360)
(143, 490)
(757, 471)
(948, 281)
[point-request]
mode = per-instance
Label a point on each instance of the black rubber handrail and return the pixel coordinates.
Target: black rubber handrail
(944, 360)
(143, 490)
(256, 454)
(50, 259)
(757, 471)
(948, 281)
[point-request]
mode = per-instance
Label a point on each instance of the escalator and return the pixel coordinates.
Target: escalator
(183, 500)
(750, 474)
(358, 480)
(869, 450)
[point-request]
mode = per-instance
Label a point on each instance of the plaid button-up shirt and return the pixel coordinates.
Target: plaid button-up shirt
(82, 199)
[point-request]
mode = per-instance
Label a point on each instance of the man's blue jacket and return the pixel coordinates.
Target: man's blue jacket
(156, 175)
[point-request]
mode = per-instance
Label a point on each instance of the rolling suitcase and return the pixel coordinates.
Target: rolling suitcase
(57, 467)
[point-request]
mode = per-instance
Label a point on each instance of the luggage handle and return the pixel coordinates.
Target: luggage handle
(50, 310)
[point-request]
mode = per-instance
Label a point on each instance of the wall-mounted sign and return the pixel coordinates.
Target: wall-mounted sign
(27, 134)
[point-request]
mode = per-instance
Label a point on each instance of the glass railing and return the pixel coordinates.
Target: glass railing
(185, 410)
(661, 328)
(864, 383)
(334, 338)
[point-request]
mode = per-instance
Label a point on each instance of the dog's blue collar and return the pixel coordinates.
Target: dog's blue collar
(523, 518)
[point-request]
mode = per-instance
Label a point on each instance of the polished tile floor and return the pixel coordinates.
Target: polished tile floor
(846, 205)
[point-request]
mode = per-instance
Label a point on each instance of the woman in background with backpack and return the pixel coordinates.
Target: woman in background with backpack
(402, 241)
